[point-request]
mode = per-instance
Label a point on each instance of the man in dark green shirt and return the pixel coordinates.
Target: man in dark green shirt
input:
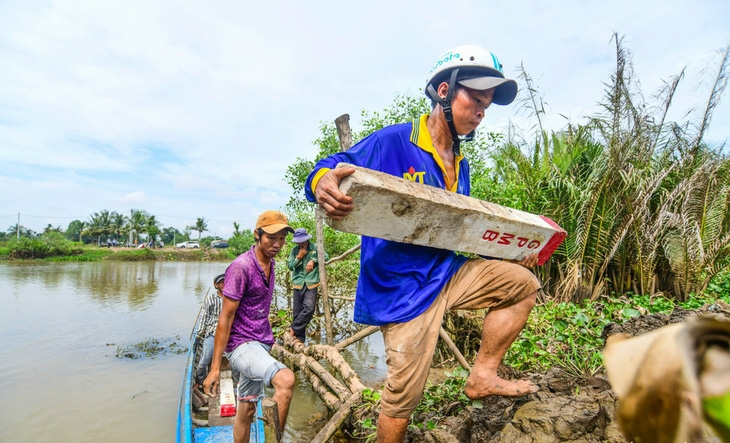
(302, 263)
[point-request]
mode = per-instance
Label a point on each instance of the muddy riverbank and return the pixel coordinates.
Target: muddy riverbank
(566, 409)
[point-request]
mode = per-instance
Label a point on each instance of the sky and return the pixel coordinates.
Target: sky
(196, 109)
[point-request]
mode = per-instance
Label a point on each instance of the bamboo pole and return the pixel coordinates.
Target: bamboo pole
(337, 297)
(359, 336)
(344, 254)
(323, 275)
(337, 419)
(452, 346)
(331, 396)
(309, 356)
(332, 383)
(335, 359)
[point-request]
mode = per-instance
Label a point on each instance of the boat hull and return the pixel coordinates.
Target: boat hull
(190, 430)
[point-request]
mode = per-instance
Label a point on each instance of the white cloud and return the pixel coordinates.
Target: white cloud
(133, 199)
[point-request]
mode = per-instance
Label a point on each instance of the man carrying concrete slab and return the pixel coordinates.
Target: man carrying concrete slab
(406, 289)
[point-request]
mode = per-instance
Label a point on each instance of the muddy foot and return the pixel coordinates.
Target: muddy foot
(485, 387)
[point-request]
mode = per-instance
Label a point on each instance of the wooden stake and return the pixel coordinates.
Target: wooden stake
(343, 131)
(323, 276)
(271, 416)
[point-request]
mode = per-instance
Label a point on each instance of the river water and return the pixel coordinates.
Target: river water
(62, 325)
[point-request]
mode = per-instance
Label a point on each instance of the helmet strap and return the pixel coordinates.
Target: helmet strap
(448, 114)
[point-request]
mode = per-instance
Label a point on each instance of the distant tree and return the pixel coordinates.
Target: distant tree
(241, 241)
(201, 225)
(50, 228)
(170, 235)
(100, 224)
(119, 224)
(153, 229)
(14, 231)
(137, 223)
(75, 230)
(207, 240)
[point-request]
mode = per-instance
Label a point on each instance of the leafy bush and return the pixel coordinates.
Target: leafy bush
(720, 285)
(51, 244)
(569, 334)
(238, 244)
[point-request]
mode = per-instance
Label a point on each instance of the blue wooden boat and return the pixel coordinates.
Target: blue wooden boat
(205, 425)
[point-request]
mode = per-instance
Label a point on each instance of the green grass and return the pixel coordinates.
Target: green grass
(569, 335)
(133, 255)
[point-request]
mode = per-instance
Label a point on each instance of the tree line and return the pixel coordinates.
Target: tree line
(112, 225)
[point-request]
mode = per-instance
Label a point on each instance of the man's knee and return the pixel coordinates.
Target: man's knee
(246, 411)
(284, 380)
(401, 399)
(308, 307)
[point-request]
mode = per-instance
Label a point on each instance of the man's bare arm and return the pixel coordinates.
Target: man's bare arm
(211, 385)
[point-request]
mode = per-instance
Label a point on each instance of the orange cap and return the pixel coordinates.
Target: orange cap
(272, 222)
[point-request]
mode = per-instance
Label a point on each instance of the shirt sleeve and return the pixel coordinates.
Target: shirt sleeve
(291, 261)
(205, 316)
(235, 283)
(365, 153)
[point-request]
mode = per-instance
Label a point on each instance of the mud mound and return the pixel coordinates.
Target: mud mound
(566, 409)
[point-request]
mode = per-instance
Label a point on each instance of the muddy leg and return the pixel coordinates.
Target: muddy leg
(501, 328)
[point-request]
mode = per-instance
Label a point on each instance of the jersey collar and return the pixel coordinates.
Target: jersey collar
(422, 138)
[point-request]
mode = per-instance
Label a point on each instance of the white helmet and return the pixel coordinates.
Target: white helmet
(477, 69)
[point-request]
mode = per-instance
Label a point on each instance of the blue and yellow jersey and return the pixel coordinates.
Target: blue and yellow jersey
(399, 281)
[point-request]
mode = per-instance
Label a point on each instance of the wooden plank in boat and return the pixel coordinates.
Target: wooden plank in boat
(214, 407)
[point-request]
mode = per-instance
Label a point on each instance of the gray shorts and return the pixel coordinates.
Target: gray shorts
(254, 367)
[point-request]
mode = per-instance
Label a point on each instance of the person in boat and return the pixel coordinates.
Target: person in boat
(244, 332)
(406, 289)
(302, 263)
(212, 305)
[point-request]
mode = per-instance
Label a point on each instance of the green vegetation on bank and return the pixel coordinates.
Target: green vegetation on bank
(53, 247)
(568, 335)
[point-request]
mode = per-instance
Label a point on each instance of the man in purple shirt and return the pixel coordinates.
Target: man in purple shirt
(244, 332)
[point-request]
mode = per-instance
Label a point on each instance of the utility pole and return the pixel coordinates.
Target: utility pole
(17, 228)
